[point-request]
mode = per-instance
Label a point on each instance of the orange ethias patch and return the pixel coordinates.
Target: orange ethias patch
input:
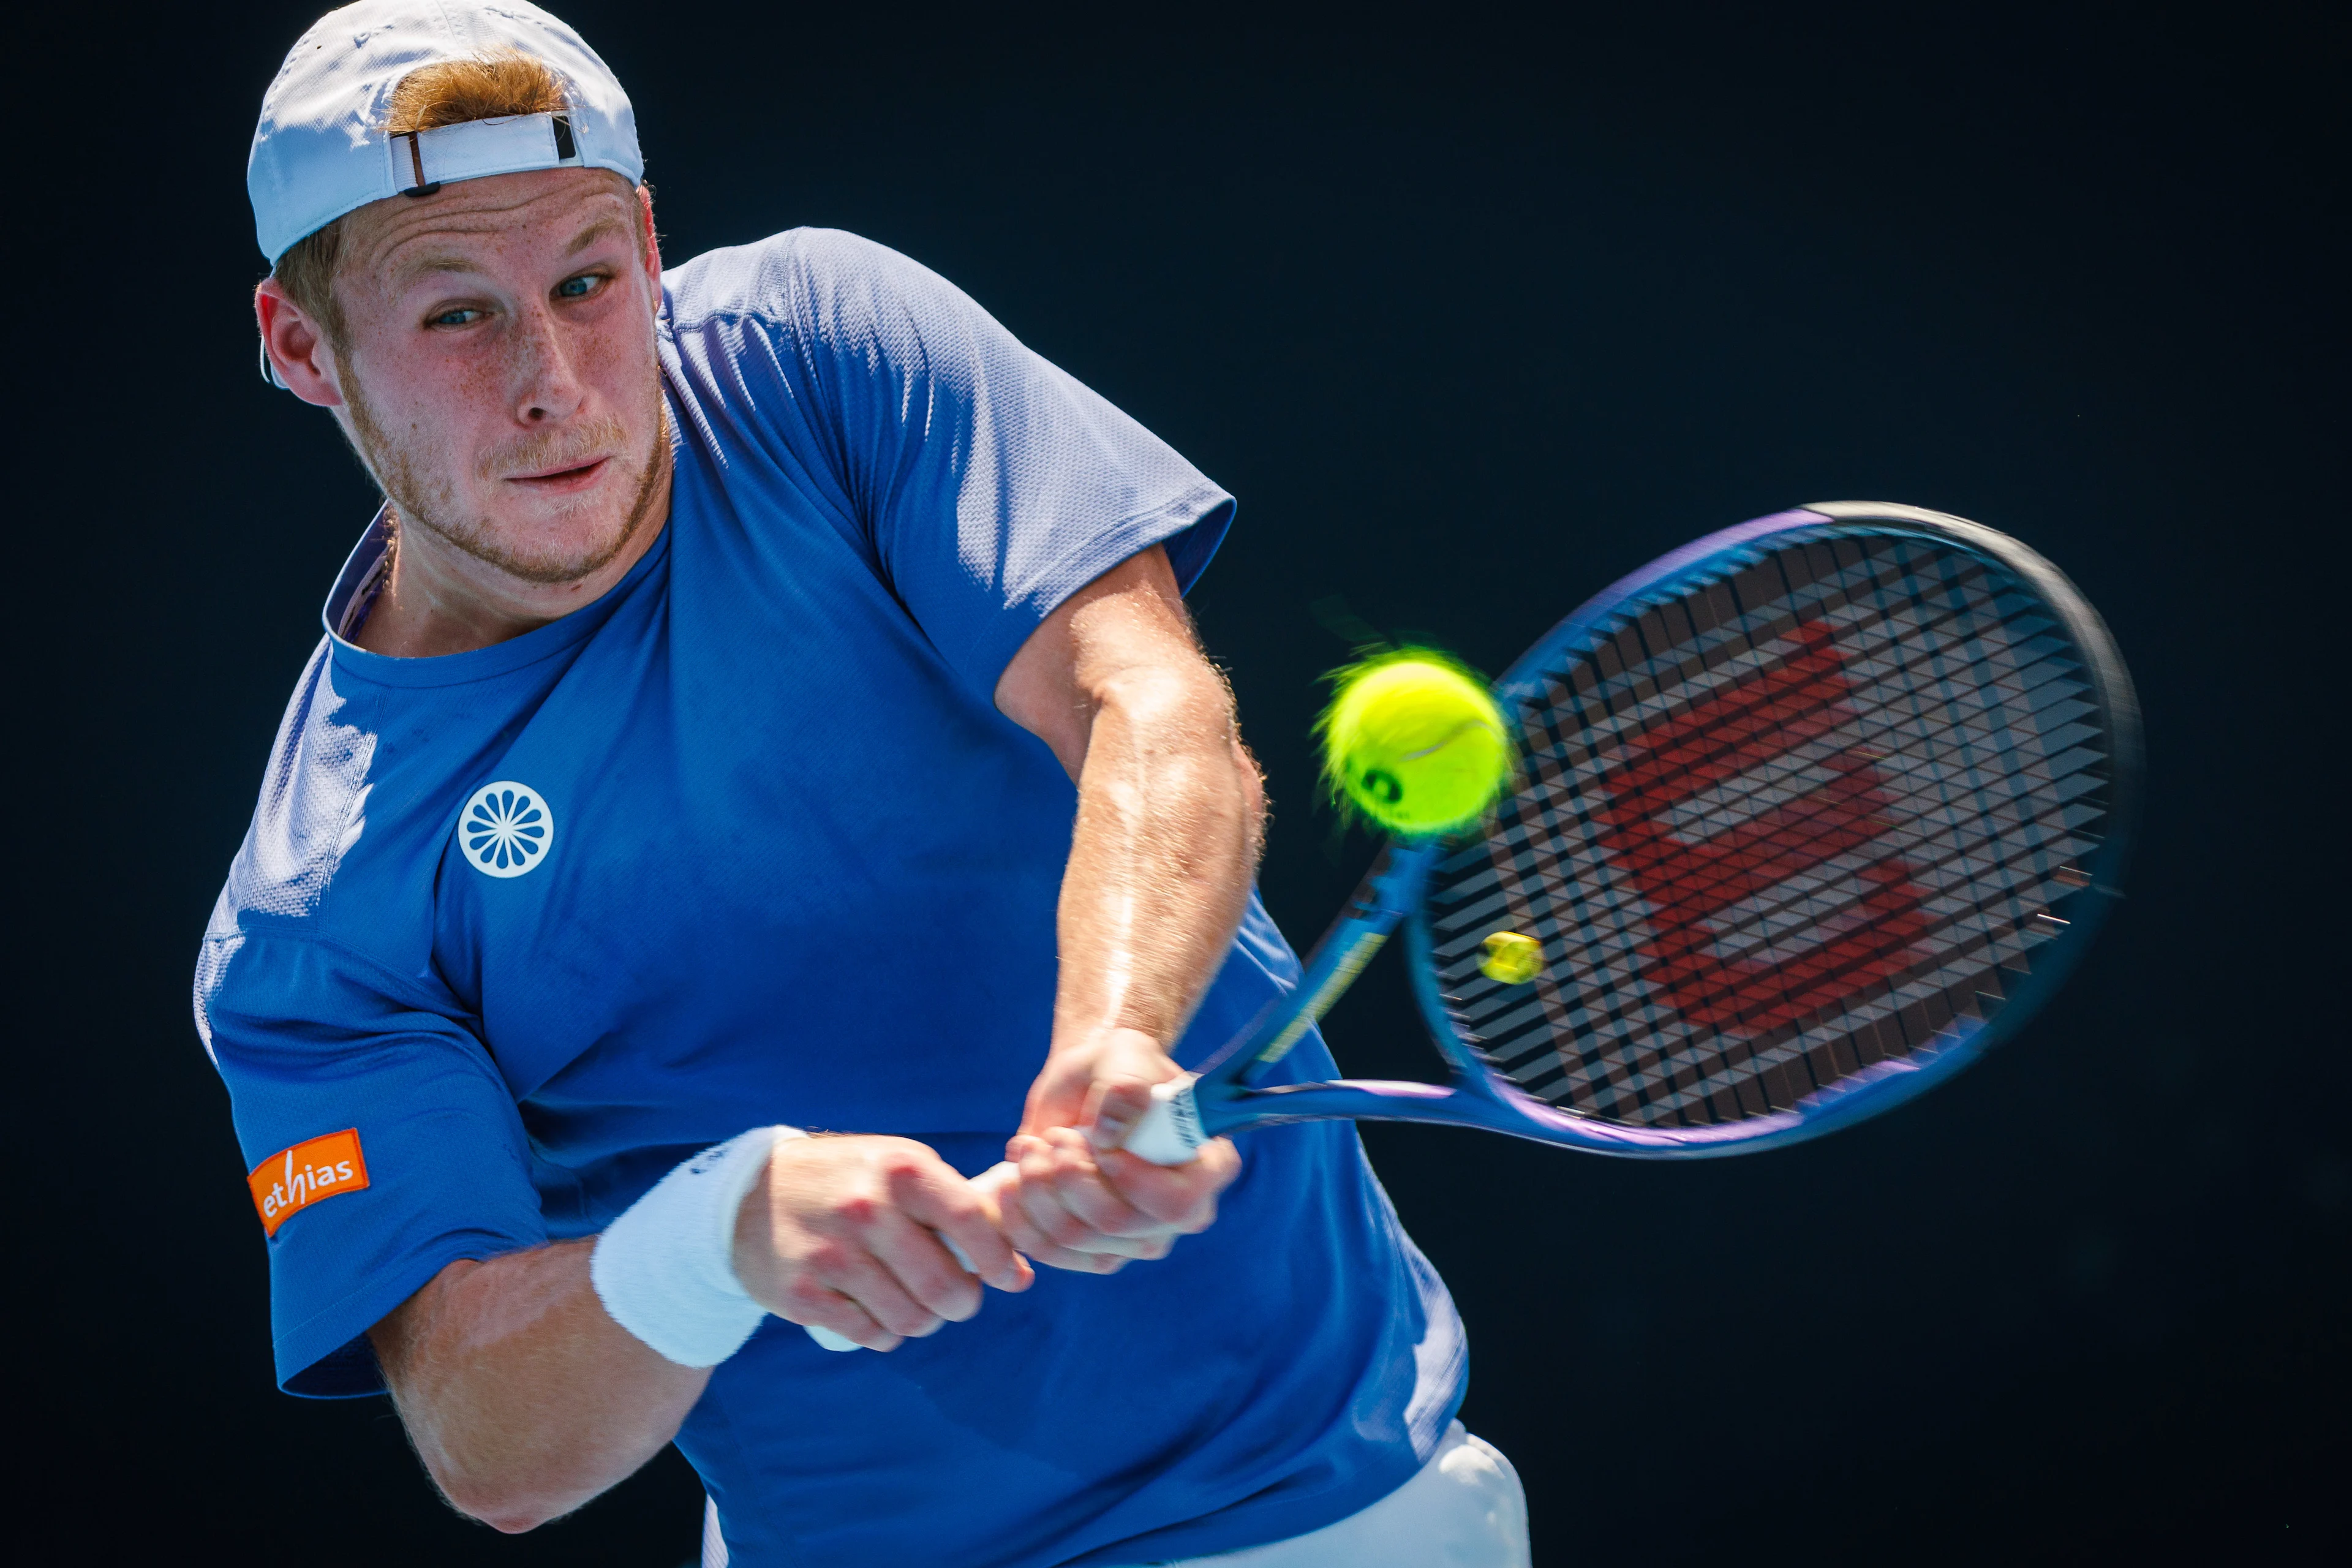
(321, 1168)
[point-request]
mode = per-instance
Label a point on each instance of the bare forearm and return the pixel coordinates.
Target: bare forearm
(1170, 817)
(522, 1397)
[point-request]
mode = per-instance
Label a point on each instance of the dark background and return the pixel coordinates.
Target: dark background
(1474, 311)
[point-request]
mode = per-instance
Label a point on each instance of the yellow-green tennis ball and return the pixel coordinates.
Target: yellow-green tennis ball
(1414, 742)
(1512, 959)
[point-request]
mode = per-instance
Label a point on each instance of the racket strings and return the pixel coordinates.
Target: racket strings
(1894, 933)
(2008, 894)
(1910, 794)
(1776, 828)
(1905, 794)
(1807, 999)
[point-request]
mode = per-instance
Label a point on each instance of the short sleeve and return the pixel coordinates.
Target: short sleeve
(992, 483)
(316, 1042)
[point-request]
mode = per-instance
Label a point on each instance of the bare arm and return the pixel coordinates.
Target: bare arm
(524, 1399)
(521, 1397)
(1170, 818)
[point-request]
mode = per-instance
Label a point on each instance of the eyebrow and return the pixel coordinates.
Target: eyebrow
(604, 227)
(453, 261)
(433, 261)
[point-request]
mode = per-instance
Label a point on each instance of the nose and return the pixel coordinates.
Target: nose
(547, 384)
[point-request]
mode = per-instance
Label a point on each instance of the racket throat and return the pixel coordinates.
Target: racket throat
(1348, 963)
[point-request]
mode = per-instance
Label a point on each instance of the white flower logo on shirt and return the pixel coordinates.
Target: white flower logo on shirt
(506, 828)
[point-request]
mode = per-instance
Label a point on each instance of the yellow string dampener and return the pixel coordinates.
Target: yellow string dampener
(1511, 959)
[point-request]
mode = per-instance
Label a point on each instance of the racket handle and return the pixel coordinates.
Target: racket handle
(988, 1183)
(1169, 1133)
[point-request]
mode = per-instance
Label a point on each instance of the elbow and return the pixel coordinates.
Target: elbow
(507, 1515)
(1253, 812)
(506, 1506)
(514, 1521)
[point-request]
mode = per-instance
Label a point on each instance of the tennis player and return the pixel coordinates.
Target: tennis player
(764, 703)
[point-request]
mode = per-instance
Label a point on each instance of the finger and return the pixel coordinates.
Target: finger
(1083, 1251)
(919, 1259)
(811, 1304)
(1077, 1260)
(1110, 1226)
(1113, 1107)
(1085, 1240)
(1041, 1249)
(990, 1187)
(866, 1280)
(1078, 1183)
(1040, 1203)
(1082, 1262)
(965, 1213)
(1036, 1222)
(1181, 1196)
(1127, 1248)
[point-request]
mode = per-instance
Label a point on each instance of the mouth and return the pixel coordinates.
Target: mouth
(564, 481)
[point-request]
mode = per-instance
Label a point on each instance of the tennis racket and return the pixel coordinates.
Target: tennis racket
(1811, 814)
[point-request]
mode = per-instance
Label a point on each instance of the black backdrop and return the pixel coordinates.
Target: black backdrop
(1474, 313)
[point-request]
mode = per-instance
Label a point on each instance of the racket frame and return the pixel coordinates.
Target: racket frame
(1220, 1098)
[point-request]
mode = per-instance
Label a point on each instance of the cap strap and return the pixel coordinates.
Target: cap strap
(425, 159)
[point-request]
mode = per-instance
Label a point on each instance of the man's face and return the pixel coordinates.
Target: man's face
(498, 371)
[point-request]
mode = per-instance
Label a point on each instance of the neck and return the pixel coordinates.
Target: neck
(441, 599)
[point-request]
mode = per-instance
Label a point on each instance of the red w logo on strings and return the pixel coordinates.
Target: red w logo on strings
(1687, 884)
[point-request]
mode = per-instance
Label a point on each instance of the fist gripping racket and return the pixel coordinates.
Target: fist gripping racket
(1811, 814)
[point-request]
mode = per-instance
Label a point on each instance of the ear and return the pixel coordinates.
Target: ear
(653, 242)
(296, 346)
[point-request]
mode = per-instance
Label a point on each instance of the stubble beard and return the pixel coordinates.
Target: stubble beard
(424, 500)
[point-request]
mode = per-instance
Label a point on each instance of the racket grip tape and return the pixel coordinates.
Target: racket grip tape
(1170, 1134)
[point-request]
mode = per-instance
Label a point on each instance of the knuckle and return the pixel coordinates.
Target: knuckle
(1164, 1208)
(908, 1319)
(1123, 1221)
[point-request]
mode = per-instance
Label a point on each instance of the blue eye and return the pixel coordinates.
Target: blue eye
(578, 287)
(464, 315)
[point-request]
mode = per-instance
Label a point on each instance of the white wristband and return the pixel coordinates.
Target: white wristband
(665, 1269)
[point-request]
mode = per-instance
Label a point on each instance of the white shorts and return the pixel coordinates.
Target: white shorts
(1464, 1510)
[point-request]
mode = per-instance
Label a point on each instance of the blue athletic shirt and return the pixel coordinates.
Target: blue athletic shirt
(746, 841)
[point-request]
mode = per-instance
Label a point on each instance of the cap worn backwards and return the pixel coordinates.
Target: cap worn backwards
(321, 151)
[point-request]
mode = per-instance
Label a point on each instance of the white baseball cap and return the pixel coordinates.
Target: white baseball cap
(320, 148)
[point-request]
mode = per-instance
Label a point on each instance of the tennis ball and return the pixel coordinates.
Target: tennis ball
(1413, 742)
(1511, 959)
